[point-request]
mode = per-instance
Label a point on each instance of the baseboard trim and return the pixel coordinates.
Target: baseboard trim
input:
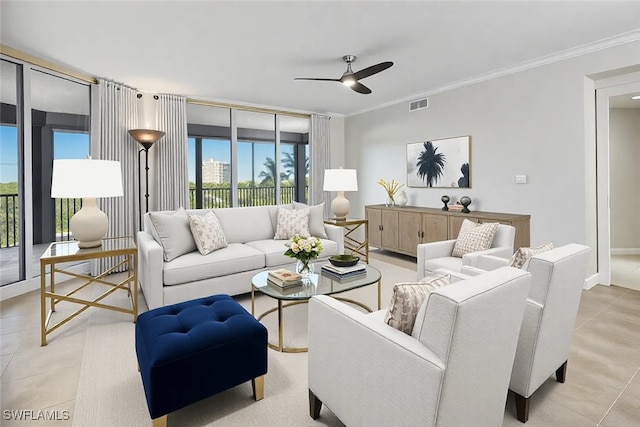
(590, 282)
(625, 251)
(25, 286)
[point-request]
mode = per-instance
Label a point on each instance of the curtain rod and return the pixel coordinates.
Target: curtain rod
(22, 56)
(247, 108)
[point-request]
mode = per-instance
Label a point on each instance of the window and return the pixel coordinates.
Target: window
(247, 169)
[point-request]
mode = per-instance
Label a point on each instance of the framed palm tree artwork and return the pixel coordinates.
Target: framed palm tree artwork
(439, 163)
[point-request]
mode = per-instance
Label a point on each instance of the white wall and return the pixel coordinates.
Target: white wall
(533, 123)
(624, 151)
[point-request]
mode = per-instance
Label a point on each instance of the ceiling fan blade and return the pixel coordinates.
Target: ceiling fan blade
(313, 78)
(360, 88)
(369, 71)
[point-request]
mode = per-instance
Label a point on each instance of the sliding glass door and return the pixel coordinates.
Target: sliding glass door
(44, 116)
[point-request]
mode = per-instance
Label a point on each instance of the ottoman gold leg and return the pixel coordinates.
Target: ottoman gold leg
(258, 387)
(160, 421)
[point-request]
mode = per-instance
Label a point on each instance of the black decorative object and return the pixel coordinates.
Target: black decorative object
(445, 199)
(344, 260)
(465, 201)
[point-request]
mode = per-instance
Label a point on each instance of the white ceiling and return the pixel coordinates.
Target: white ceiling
(249, 52)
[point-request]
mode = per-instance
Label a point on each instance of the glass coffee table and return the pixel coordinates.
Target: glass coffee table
(319, 284)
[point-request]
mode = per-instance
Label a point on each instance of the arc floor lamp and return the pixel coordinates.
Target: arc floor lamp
(146, 138)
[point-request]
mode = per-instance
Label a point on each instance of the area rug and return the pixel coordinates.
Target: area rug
(110, 390)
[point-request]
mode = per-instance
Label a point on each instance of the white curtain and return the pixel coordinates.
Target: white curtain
(170, 154)
(319, 139)
(113, 113)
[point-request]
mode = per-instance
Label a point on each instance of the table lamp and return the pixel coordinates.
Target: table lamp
(340, 180)
(87, 179)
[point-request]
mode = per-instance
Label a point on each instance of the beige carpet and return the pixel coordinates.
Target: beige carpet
(110, 390)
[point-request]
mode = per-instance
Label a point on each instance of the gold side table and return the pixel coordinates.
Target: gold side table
(351, 242)
(60, 252)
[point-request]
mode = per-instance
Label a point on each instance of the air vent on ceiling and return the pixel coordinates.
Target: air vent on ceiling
(419, 104)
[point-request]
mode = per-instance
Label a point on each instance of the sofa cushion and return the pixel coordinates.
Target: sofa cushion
(316, 219)
(474, 237)
(172, 232)
(449, 263)
(192, 267)
(292, 223)
(407, 299)
(273, 251)
(329, 248)
(520, 258)
(242, 225)
(207, 233)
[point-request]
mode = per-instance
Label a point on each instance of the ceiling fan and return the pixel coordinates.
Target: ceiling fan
(351, 79)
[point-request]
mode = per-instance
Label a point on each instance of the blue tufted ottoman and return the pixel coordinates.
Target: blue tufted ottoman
(195, 349)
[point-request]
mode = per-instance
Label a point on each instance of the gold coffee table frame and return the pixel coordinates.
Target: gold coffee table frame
(351, 242)
(320, 285)
(59, 252)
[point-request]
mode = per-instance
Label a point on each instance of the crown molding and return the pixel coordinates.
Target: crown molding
(629, 37)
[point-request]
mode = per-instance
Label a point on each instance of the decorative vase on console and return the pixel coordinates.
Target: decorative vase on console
(391, 188)
(402, 199)
(445, 199)
(465, 201)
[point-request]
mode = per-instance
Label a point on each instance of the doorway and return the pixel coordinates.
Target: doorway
(618, 153)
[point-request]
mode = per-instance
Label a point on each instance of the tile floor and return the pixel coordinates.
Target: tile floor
(602, 388)
(625, 271)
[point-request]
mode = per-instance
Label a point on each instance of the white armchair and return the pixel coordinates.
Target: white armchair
(435, 255)
(452, 371)
(549, 320)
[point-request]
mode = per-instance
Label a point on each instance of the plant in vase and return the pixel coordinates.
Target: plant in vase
(305, 250)
(391, 188)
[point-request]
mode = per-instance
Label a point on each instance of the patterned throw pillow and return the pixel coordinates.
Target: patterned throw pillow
(292, 222)
(521, 257)
(407, 299)
(474, 237)
(207, 232)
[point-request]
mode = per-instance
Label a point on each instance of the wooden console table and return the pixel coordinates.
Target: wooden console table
(351, 241)
(402, 229)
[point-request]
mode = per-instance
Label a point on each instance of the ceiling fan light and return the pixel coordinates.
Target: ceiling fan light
(349, 81)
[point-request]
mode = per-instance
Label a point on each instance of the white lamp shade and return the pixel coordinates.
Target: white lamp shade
(340, 180)
(79, 178)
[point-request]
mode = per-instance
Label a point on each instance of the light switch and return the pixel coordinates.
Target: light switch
(521, 179)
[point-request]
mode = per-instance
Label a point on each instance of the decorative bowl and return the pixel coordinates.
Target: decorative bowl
(344, 260)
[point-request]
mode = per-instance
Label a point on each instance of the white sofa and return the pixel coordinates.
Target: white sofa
(251, 248)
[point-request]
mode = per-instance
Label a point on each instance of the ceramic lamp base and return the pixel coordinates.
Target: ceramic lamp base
(89, 225)
(340, 206)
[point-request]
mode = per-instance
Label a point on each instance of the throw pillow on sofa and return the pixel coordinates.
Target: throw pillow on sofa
(316, 219)
(520, 258)
(408, 298)
(207, 233)
(173, 233)
(291, 223)
(474, 237)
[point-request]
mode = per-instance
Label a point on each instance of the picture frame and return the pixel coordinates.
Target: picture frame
(439, 163)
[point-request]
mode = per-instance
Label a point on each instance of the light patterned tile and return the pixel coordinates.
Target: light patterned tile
(625, 413)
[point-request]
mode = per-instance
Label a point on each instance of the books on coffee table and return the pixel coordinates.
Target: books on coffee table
(284, 278)
(344, 272)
